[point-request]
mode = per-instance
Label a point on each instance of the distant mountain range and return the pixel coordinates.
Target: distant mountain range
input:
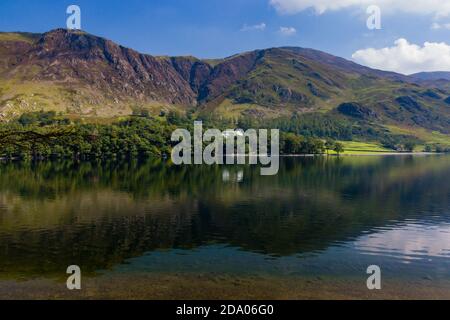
(431, 76)
(80, 74)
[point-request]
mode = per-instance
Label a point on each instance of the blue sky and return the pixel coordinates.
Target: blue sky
(214, 28)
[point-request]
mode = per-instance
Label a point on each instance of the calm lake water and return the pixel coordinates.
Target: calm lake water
(321, 219)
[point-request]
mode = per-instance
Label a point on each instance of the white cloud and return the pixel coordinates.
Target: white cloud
(256, 27)
(438, 8)
(288, 31)
(407, 58)
(439, 26)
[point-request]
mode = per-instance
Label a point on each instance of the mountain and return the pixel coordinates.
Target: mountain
(83, 75)
(75, 72)
(431, 76)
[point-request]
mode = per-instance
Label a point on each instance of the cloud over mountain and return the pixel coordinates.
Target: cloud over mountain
(407, 58)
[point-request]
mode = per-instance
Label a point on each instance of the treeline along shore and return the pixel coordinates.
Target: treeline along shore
(48, 135)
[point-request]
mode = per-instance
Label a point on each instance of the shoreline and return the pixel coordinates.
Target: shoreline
(364, 154)
(167, 286)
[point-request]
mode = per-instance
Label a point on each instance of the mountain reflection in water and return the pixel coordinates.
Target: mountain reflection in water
(316, 213)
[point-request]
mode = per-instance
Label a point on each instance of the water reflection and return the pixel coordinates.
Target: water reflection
(235, 177)
(335, 210)
(411, 242)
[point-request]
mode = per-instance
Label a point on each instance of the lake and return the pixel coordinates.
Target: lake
(152, 230)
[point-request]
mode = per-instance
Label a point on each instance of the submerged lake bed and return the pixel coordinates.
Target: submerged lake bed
(152, 230)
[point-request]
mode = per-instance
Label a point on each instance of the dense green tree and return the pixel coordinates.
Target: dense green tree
(329, 145)
(338, 148)
(409, 146)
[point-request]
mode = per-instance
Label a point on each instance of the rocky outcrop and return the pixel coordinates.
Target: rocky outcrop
(194, 71)
(447, 101)
(356, 110)
(430, 94)
(410, 104)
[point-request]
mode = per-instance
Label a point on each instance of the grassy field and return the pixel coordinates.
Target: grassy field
(430, 137)
(355, 148)
(14, 36)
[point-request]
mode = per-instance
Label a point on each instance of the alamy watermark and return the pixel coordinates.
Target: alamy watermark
(74, 20)
(374, 281)
(74, 280)
(228, 147)
(374, 20)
